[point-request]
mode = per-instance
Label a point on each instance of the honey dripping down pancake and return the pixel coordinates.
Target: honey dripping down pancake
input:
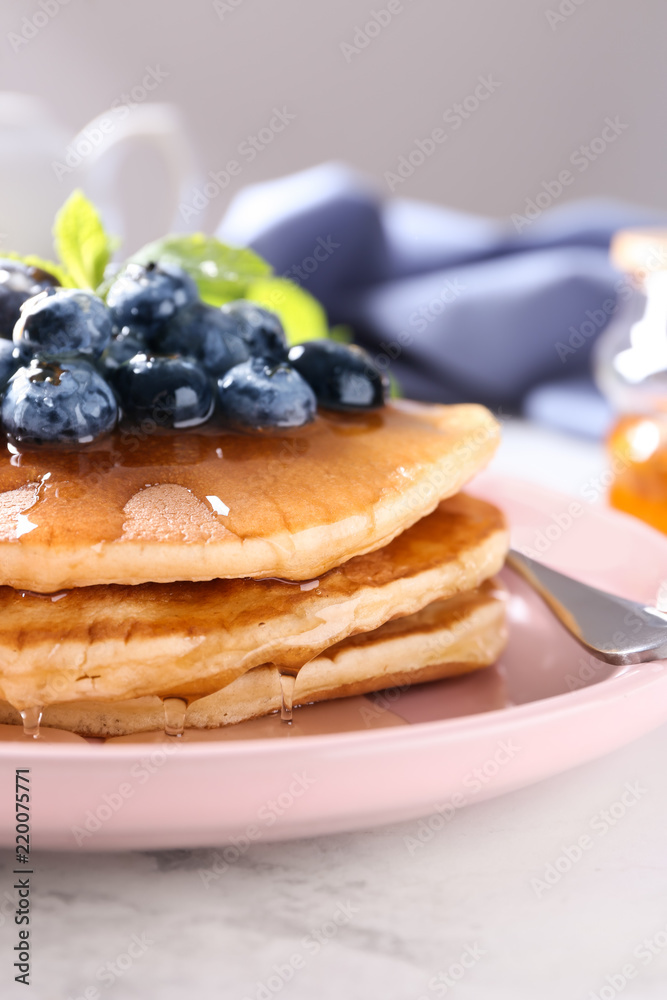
(444, 639)
(192, 639)
(207, 504)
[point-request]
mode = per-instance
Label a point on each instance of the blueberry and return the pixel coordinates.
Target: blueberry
(63, 323)
(262, 330)
(206, 334)
(18, 282)
(258, 396)
(144, 297)
(171, 391)
(57, 403)
(10, 359)
(122, 347)
(342, 376)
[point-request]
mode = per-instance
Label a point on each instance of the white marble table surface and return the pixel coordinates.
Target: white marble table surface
(462, 917)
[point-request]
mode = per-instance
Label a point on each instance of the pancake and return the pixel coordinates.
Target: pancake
(192, 639)
(444, 639)
(205, 504)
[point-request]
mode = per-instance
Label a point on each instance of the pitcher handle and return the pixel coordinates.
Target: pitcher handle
(106, 140)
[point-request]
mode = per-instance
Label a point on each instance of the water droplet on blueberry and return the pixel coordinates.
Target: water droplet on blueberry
(122, 347)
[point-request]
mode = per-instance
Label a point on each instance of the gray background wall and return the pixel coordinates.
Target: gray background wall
(228, 69)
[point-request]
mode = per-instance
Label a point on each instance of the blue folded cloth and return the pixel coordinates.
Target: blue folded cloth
(457, 306)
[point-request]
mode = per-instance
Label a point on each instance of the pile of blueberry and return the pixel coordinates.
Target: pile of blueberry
(72, 366)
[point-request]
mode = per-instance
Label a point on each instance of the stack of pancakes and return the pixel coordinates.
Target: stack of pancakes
(202, 565)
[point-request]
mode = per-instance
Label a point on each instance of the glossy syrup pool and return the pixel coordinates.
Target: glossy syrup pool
(251, 485)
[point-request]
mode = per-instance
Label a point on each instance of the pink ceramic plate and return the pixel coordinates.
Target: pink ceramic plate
(547, 707)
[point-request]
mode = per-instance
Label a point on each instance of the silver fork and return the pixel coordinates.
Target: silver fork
(611, 628)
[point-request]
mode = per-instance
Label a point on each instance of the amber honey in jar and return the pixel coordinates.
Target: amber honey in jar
(630, 364)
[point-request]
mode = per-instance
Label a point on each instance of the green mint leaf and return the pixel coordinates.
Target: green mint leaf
(395, 391)
(343, 333)
(302, 315)
(222, 273)
(81, 242)
(32, 260)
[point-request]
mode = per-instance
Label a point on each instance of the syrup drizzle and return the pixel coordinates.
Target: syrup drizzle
(288, 676)
(32, 718)
(174, 716)
(301, 584)
(287, 685)
(48, 597)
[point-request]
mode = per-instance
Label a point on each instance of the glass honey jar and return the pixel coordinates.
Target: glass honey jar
(630, 367)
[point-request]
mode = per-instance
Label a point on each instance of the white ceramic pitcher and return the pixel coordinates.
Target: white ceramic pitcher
(40, 164)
